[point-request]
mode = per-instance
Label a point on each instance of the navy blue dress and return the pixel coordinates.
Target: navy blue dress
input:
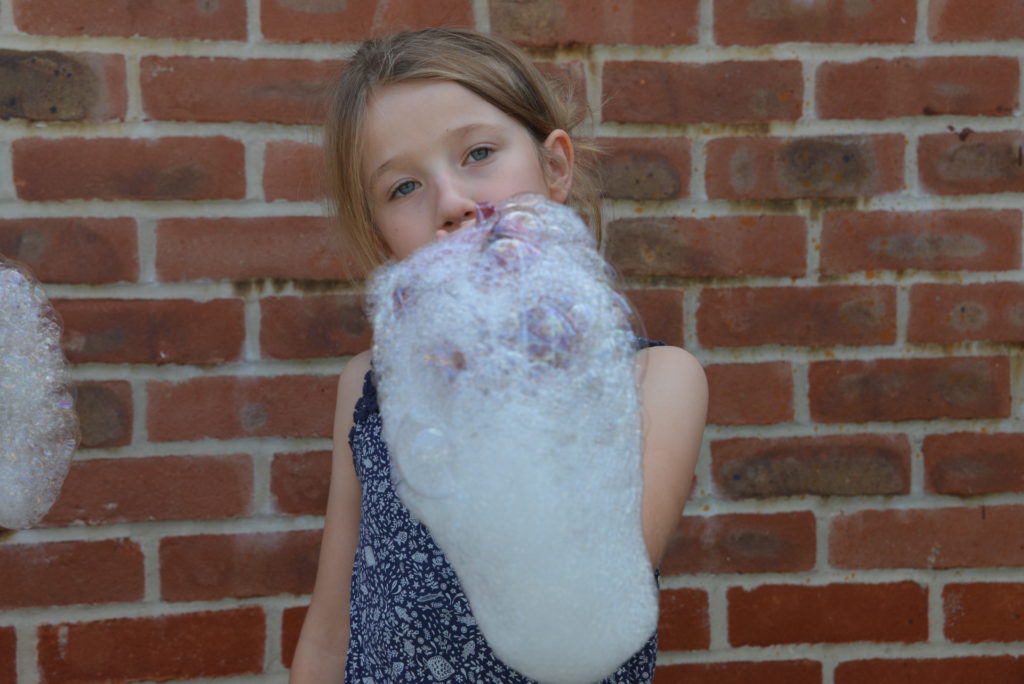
(410, 620)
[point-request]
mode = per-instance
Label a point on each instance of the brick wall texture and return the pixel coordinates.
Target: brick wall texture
(821, 199)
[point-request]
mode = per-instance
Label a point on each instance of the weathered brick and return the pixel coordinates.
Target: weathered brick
(959, 20)
(129, 169)
(288, 91)
(971, 240)
(834, 465)
(152, 330)
(661, 314)
(777, 168)
(968, 162)
(293, 171)
(757, 22)
(569, 80)
(969, 464)
(645, 168)
(993, 611)
(834, 613)
(225, 407)
(89, 251)
(308, 21)
(723, 92)
(683, 622)
(742, 543)
(885, 89)
(994, 669)
(208, 567)
(313, 326)
(61, 86)
(954, 313)
(291, 626)
(179, 19)
(66, 573)
(186, 646)
(750, 393)
(937, 538)
(299, 482)
(104, 412)
(549, 23)
(299, 248)
(767, 672)
(8, 655)
(800, 316)
(711, 247)
(909, 389)
(114, 490)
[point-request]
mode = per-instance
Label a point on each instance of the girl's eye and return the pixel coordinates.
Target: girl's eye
(404, 188)
(480, 153)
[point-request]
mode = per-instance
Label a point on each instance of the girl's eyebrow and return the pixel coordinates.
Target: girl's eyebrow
(454, 133)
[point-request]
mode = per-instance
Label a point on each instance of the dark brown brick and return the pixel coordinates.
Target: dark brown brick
(969, 163)
(104, 413)
(645, 168)
(89, 251)
(313, 326)
(61, 86)
(318, 21)
(660, 313)
(179, 19)
(756, 22)
(969, 463)
(549, 23)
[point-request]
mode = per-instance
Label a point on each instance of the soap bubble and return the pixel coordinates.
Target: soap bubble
(38, 425)
(506, 369)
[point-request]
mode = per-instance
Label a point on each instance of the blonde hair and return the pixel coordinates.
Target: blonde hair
(491, 68)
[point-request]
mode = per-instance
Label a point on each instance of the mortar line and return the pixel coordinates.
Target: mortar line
(705, 23)
(253, 22)
(134, 107)
(7, 191)
(146, 236)
(921, 36)
(26, 663)
(482, 15)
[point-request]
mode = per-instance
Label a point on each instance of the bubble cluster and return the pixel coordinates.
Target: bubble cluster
(38, 425)
(505, 364)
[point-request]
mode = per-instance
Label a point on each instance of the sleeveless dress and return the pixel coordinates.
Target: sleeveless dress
(409, 618)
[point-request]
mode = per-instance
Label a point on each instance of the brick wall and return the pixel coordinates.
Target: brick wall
(820, 198)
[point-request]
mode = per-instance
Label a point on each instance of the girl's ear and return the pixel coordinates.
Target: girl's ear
(558, 160)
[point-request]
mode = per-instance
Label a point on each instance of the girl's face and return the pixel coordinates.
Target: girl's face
(433, 150)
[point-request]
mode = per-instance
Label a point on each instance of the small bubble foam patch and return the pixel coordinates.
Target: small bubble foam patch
(505, 364)
(38, 425)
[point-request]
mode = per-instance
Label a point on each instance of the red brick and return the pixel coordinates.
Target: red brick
(179, 19)
(768, 672)
(723, 92)
(971, 240)
(709, 247)
(909, 389)
(114, 490)
(968, 463)
(742, 543)
(313, 326)
(750, 393)
(884, 89)
(291, 627)
(62, 86)
(683, 623)
(938, 538)
(67, 573)
(129, 169)
(549, 23)
(968, 162)
(955, 313)
(187, 646)
(208, 567)
(955, 20)
(833, 465)
(660, 313)
(988, 669)
(293, 171)
(288, 91)
(801, 316)
(778, 168)
(225, 407)
(308, 21)
(104, 413)
(152, 330)
(89, 251)
(8, 655)
(645, 168)
(300, 248)
(299, 482)
(834, 613)
(755, 22)
(984, 612)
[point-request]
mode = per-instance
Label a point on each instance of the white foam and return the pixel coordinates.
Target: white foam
(505, 366)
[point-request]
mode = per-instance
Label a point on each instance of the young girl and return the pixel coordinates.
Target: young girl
(423, 127)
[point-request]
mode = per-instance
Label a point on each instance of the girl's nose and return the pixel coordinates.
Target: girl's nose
(456, 208)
